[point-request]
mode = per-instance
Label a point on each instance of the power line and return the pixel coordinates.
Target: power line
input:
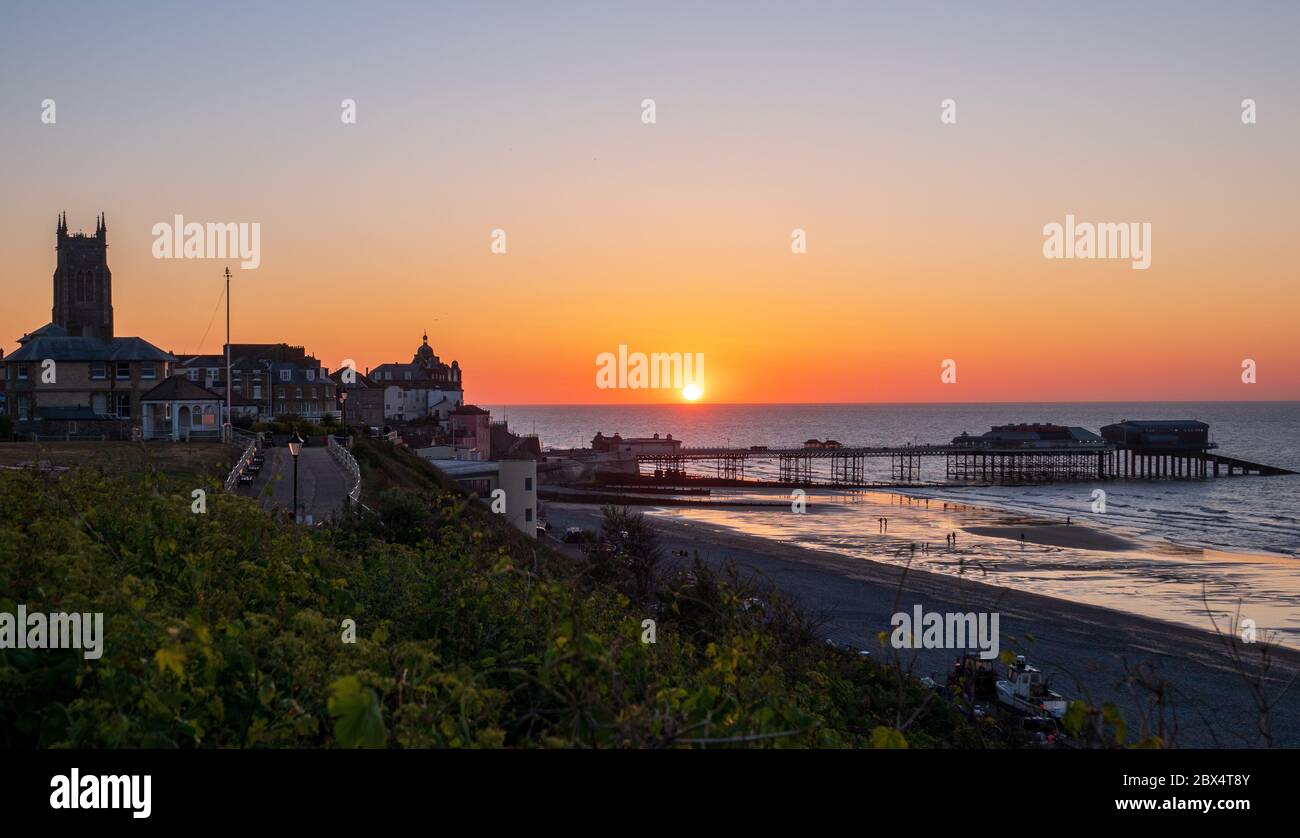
(199, 349)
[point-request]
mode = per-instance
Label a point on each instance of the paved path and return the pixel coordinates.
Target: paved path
(322, 483)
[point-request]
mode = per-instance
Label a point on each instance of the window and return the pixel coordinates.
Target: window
(528, 513)
(98, 371)
(192, 375)
(284, 375)
(257, 391)
(85, 285)
(311, 375)
(22, 372)
(99, 403)
(24, 408)
(528, 484)
(297, 393)
(123, 370)
(122, 405)
(313, 390)
(148, 370)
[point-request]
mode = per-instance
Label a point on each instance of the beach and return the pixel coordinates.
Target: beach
(1091, 652)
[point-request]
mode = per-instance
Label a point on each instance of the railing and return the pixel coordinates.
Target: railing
(349, 464)
(251, 443)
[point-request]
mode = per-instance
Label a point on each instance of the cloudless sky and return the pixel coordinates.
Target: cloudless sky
(924, 239)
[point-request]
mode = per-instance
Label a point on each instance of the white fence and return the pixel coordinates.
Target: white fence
(251, 443)
(349, 465)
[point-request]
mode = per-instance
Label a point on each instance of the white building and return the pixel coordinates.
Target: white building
(517, 480)
(426, 387)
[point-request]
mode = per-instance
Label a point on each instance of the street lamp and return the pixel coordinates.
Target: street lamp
(343, 399)
(295, 448)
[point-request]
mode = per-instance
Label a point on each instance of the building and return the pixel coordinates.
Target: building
(52, 372)
(280, 379)
(818, 443)
(424, 388)
(74, 377)
(178, 409)
(505, 444)
(635, 444)
(83, 284)
(365, 399)
(471, 430)
(516, 479)
(1029, 435)
(1159, 435)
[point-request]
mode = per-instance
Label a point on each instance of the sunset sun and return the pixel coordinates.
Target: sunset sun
(692, 392)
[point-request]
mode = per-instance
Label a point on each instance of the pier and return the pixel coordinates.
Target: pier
(1008, 454)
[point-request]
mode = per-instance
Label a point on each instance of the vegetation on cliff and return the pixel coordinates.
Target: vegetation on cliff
(229, 628)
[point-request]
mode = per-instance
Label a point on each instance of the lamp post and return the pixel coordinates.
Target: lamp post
(343, 400)
(226, 426)
(295, 448)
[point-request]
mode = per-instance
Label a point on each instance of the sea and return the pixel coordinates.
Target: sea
(1228, 539)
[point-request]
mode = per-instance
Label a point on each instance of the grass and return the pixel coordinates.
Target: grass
(201, 459)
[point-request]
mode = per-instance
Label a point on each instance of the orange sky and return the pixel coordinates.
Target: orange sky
(924, 240)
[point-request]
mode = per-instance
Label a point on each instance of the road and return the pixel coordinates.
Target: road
(322, 484)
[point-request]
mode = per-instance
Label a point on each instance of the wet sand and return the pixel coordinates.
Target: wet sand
(1058, 535)
(1089, 651)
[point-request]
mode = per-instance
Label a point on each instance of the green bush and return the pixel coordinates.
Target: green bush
(227, 629)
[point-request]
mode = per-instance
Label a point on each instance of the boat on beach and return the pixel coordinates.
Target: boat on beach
(975, 679)
(1025, 690)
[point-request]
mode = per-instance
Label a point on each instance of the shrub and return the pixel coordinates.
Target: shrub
(228, 629)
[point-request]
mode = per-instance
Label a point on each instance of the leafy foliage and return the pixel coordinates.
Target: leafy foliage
(224, 629)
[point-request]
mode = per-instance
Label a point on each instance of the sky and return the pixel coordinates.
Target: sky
(924, 238)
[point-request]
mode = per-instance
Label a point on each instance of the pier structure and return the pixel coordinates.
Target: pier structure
(1023, 453)
(1174, 448)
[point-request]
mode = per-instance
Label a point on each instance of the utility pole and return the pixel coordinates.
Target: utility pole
(228, 424)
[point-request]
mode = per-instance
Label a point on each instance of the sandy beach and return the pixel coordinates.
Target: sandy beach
(1058, 535)
(1091, 652)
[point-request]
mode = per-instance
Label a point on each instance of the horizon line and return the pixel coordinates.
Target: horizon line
(857, 404)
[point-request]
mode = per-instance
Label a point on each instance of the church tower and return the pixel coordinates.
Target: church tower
(83, 284)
